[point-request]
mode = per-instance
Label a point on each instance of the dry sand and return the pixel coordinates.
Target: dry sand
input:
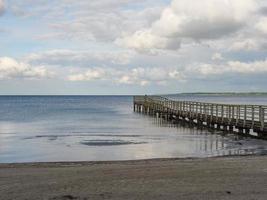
(209, 178)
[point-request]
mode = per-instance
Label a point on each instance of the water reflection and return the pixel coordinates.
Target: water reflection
(213, 142)
(104, 128)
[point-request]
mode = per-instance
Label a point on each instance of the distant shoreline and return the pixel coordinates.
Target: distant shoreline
(130, 95)
(223, 94)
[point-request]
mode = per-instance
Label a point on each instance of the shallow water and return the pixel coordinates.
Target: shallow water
(87, 128)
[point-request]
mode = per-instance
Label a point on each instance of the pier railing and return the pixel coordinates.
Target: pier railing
(243, 117)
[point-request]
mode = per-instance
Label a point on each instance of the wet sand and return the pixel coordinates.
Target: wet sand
(210, 178)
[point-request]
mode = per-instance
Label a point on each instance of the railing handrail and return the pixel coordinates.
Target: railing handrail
(199, 102)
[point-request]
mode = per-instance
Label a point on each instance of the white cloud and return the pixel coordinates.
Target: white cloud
(71, 57)
(83, 20)
(137, 76)
(10, 68)
(203, 69)
(166, 75)
(245, 45)
(155, 75)
(231, 67)
(256, 67)
(196, 20)
(217, 56)
(89, 75)
(2, 6)
(203, 19)
(262, 25)
(146, 41)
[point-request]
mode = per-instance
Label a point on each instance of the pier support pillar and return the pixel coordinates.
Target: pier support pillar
(212, 125)
(241, 130)
(199, 122)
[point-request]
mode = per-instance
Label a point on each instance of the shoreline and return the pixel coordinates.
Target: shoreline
(228, 177)
(104, 162)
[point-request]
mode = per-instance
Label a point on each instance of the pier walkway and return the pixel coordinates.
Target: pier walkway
(245, 119)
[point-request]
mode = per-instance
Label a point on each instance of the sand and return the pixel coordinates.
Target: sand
(208, 178)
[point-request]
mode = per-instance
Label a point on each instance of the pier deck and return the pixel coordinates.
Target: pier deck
(243, 118)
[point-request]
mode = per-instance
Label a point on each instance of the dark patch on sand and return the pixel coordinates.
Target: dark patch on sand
(65, 197)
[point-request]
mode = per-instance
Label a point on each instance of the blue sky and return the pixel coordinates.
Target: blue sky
(132, 46)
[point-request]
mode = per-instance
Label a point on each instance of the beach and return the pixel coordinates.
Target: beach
(133, 99)
(236, 177)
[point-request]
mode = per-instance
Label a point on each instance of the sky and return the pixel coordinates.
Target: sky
(83, 47)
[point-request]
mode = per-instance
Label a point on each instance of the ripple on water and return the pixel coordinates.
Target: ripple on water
(80, 135)
(108, 142)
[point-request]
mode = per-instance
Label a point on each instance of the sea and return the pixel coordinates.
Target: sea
(105, 128)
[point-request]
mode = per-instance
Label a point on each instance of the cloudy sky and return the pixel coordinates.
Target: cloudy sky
(132, 46)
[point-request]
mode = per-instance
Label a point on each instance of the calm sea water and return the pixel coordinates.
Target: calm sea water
(90, 128)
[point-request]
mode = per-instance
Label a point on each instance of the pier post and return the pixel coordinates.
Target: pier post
(247, 131)
(241, 130)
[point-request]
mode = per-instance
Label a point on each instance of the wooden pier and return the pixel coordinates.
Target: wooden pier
(244, 119)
